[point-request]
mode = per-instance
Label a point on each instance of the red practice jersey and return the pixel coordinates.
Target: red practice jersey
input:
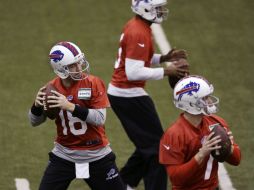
(179, 145)
(72, 132)
(135, 43)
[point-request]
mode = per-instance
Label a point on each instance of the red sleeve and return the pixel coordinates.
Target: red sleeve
(235, 157)
(99, 95)
(171, 148)
(179, 174)
(137, 47)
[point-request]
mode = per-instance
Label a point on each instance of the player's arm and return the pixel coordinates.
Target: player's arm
(235, 157)
(35, 114)
(135, 70)
(95, 117)
(178, 173)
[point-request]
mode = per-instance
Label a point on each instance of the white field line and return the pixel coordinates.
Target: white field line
(22, 184)
(164, 46)
(224, 180)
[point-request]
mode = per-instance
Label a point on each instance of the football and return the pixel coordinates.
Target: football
(172, 80)
(51, 113)
(224, 152)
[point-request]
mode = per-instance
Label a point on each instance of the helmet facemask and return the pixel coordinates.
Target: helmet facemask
(208, 105)
(78, 75)
(161, 13)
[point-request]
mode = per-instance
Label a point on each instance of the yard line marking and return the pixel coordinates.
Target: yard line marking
(224, 180)
(22, 184)
(164, 46)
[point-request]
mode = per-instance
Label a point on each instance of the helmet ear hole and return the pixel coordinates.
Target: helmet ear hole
(191, 104)
(65, 68)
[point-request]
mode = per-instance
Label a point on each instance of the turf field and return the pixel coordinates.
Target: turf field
(218, 36)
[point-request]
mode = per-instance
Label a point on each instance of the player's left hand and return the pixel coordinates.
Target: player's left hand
(173, 55)
(59, 100)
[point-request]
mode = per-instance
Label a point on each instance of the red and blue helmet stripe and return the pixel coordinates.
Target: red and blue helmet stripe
(70, 47)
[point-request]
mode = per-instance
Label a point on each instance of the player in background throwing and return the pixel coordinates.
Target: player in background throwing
(131, 103)
(81, 147)
(186, 145)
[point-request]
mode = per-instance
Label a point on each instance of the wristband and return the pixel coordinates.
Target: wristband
(80, 112)
(36, 110)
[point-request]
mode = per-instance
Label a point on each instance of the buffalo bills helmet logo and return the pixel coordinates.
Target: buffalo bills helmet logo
(137, 2)
(188, 89)
(56, 56)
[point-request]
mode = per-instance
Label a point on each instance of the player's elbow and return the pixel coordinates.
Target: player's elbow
(33, 124)
(175, 176)
(235, 158)
(36, 120)
(235, 162)
(175, 180)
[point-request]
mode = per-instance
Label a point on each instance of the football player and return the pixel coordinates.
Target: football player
(131, 103)
(81, 148)
(186, 146)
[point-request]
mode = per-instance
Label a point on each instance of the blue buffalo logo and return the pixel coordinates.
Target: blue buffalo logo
(69, 98)
(56, 56)
(112, 174)
(188, 89)
(138, 1)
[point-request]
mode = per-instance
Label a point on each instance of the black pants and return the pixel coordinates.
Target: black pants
(142, 125)
(103, 174)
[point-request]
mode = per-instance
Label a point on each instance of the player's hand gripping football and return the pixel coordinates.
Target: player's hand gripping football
(209, 144)
(59, 100)
(173, 55)
(178, 68)
(40, 97)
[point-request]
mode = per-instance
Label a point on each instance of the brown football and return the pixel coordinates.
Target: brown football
(172, 80)
(224, 152)
(51, 113)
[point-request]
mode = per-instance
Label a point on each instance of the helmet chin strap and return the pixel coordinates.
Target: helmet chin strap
(81, 77)
(208, 110)
(212, 109)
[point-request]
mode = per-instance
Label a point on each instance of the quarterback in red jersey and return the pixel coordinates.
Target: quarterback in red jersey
(81, 147)
(186, 146)
(129, 100)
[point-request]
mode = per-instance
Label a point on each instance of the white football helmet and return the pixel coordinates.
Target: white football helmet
(152, 10)
(64, 54)
(193, 95)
